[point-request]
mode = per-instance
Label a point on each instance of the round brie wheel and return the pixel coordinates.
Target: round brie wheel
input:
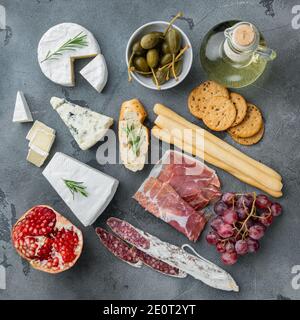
(59, 68)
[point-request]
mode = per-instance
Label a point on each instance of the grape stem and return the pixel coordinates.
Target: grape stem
(249, 216)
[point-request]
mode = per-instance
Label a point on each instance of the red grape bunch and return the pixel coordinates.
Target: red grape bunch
(241, 221)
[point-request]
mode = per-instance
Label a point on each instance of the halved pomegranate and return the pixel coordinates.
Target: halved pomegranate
(45, 238)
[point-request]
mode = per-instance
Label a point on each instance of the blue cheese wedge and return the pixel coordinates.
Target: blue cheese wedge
(96, 72)
(22, 112)
(86, 126)
(99, 187)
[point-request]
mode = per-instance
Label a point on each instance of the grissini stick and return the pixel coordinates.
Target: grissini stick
(160, 109)
(178, 130)
(166, 137)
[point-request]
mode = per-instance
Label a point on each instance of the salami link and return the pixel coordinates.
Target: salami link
(119, 248)
(127, 232)
(160, 266)
(196, 266)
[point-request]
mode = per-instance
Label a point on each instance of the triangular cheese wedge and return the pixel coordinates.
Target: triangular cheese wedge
(96, 73)
(2, 18)
(22, 112)
(86, 126)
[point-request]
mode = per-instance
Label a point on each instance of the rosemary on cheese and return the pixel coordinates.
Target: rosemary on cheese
(79, 41)
(76, 187)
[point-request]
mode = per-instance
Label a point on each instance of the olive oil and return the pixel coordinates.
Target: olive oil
(234, 54)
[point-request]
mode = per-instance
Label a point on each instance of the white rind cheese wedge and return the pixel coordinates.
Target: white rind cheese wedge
(22, 112)
(61, 70)
(100, 187)
(96, 72)
(2, 19)
(86, 126)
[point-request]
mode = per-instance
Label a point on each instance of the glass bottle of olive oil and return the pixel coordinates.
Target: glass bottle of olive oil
(234, 53)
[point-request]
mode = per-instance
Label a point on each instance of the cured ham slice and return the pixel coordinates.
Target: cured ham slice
(195, 182)
(163, 201)
(177, 190)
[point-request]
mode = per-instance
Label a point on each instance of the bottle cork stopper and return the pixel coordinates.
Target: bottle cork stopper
(244, 35)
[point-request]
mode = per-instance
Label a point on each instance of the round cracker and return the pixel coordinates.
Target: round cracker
(220, 113)
(241, 107)
(251, 140)
(250, 125)
(199, 97)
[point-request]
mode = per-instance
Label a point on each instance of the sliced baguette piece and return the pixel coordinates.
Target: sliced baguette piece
(131, 129)
(134, 110)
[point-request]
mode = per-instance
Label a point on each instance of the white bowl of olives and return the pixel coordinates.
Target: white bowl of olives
(159, 55)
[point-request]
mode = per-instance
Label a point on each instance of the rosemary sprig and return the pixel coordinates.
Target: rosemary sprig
(133, 139)
(79, 41)
(75, 186)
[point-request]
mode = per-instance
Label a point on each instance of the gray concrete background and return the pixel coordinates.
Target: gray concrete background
(99, 275)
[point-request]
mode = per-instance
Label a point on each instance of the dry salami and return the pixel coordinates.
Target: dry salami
(127, 232)
(160, 266)
(119, 248)
(196, 266)
(133, 256)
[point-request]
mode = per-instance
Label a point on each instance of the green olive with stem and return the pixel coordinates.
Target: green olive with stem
(161, 76)
(177, 68)
(150, 40)
(152, 58)
(140, 63)
(165, 48)
(137, 49)
(152, 61)
(165, 59)
(173, 40)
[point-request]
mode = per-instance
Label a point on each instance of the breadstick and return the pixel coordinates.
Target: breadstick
(192, 136)
(160, 109)
(166, 137)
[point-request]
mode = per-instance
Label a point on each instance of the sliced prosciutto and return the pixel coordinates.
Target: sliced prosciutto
(164, 202)
(177, 190)
(195, 182)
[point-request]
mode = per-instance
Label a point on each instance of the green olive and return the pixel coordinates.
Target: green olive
(150, 40)
(161, 76)
(165, 48)
(152, 58)
(137, 49)
(158, 33)
(140, 64)
(165, 59)
(178, 68)
(173, 40)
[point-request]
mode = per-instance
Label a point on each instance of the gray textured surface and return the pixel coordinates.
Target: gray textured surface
(98, 275)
